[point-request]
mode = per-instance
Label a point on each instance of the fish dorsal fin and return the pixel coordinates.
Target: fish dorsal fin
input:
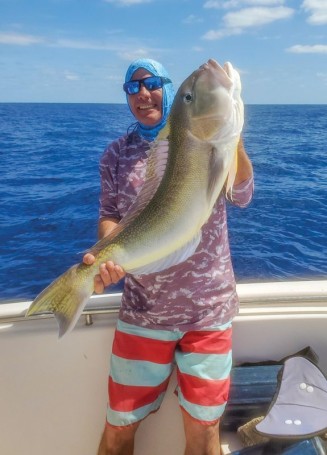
(178, 256)
(156, 165)
(232, 173)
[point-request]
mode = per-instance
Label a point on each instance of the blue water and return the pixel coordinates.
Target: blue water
(49, 187)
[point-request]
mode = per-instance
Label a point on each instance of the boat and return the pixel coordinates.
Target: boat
(53, 392)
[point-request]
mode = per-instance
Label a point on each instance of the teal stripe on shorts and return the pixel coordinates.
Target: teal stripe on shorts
(218, 328)
(205, 366)
(204, 413)
(154, 334)
(138, 372)
(118, 418)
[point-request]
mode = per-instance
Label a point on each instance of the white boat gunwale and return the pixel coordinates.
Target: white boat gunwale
(278, 298)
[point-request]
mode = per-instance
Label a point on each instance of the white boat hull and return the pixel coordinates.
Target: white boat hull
(53, 393)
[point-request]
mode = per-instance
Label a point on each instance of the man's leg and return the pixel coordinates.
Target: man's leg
(118, 441)
(141, 365)
(201, 439)
(204, 360)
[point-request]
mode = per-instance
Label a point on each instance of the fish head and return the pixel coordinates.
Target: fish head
(209, 103)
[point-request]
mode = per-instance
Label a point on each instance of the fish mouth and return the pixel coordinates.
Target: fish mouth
(211, 63)
(216, 74)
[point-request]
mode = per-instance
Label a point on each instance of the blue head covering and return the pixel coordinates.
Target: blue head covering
(168, 93)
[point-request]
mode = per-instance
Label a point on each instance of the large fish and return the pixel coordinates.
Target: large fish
(192, 160)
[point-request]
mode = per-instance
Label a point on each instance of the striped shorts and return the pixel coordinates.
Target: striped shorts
(143, 359)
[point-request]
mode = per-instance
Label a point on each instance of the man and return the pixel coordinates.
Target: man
(182, 314)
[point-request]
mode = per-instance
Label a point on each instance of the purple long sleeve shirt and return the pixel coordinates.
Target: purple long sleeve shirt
(200, 293)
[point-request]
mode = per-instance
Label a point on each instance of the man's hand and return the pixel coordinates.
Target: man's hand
(110, 273)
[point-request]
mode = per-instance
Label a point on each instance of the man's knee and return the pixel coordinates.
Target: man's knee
(118, 440)
(201, 438)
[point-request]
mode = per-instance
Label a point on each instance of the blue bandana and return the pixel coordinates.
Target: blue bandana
(168, 93)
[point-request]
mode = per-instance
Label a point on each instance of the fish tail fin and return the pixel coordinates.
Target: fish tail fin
(65, 297)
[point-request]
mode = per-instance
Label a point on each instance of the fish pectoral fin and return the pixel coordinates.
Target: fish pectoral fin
(216, 168)
(178, 256)
(232, 173)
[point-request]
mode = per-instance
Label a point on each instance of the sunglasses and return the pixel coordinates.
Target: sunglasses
(150, 83)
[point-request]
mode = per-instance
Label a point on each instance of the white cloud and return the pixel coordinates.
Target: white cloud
(235, 23)
(126, 50)
(308, 49)
(254, 17)
(19, 39)
(133, 54)
(240, 3)
(192, 19)
(212, 35)
(28, 40)
(127, 2)
(264, 2)
(197, 49)
(317, 10)
(70, 76)
(214, 4)
(76, 44)
(323, 77)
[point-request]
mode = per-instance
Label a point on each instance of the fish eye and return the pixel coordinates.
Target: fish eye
(188, 98)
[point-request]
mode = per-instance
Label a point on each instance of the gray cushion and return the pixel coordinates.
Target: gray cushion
(299, 408)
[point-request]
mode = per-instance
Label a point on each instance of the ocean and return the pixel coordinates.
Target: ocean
(49, 188)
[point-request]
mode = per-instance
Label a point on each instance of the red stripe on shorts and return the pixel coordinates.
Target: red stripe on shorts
(205, 392)
(133, 347)
(126, 398)
(207, 342)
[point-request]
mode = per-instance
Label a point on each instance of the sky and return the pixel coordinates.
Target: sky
(79, 50)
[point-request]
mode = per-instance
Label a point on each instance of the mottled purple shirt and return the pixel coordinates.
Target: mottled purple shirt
(200, 292)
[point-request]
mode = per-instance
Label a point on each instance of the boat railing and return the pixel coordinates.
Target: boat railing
(259, 299)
